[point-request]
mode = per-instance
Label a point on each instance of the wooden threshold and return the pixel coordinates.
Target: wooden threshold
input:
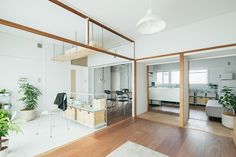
(57, 2)
(52, 36)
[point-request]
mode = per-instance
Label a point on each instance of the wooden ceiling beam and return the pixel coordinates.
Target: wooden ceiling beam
(188, 51)
(52, 36)
(57, 2)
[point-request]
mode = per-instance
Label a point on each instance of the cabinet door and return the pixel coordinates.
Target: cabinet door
(89, 118)
(191, 100)
(99, 117)
(80, 116)
(70, 113)
(201, 101)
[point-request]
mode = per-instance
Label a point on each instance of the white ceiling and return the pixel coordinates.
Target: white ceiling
(122, 15)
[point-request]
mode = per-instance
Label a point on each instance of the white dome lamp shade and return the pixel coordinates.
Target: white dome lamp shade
(150, 24)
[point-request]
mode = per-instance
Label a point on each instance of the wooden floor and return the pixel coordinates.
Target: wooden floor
(167, 139)
(196, 112)
(161, 118)
(201, 125)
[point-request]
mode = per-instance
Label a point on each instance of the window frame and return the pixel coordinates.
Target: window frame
(198, 83)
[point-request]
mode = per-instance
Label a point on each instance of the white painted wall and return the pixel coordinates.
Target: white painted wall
(186, 89)
(210, 32)
(215, 67)
(81, 78)
(141, 88)
(115, 79)
(20, 57)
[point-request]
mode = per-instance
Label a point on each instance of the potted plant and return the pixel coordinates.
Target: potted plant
(30, 98)
(5, 94)
(7, 124)
(228, 100)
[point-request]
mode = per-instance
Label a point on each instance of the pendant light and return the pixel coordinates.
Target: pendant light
(150, 23)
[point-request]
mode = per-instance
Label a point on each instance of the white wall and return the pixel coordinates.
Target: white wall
(215, 67)
(210, 32)
(20, 57)
(81, 78)
(186, 90)
(141, 88)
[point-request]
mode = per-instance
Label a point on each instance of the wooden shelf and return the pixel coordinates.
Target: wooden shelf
(75, 53)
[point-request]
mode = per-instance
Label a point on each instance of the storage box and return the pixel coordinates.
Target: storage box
(99, 103)
(191, 100)
(201, 101)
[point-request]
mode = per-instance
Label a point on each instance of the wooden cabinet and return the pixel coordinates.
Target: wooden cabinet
(99, 117)
(89, 118)
(191, 100)
(70, 113)
(201, 100)
(234, 131)
(80, 115)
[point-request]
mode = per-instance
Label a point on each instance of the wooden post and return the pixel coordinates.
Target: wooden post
(147, 88)
(135, 88)
(181, 113)
(87, 32)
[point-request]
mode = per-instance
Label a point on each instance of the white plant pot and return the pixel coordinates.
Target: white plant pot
(227, 120)
(27, 115)
(3, 153)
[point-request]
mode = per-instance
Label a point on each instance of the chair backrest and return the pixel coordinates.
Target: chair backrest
(119, 93)
(61, 101)
(108, 92)
(125, 90)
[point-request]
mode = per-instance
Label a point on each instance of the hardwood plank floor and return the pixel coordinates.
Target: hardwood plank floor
(167, 139)
(161, 118)
(201, 125)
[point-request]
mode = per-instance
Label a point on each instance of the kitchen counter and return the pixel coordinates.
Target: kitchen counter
(164, 94)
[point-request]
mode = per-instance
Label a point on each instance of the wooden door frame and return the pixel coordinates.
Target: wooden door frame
(148, 81)
(181, 86)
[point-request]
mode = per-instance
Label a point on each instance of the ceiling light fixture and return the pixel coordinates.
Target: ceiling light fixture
(150, 23)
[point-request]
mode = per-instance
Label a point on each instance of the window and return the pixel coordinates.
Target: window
(162, 77)
(159, 78)
(165, 77)
(175, 77)
(198, 76)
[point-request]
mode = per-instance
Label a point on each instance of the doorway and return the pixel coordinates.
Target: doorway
(207, 73)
